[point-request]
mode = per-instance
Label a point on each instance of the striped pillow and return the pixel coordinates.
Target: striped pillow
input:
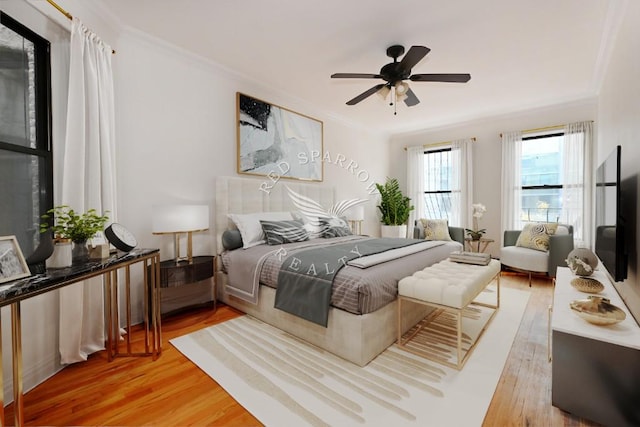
(279, 232)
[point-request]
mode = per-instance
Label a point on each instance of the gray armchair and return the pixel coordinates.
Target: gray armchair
(534, 261)
(456, 233)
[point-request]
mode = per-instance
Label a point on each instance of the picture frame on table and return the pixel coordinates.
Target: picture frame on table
(12, 263)
(277, 142)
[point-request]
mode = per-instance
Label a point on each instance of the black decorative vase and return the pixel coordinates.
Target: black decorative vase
(80, 252)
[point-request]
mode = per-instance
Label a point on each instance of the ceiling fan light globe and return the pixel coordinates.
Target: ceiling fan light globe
(384, 92)
(401, 88)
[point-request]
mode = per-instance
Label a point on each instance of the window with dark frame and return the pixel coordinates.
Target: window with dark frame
(541, 174)
(437, 184)
(26, 162)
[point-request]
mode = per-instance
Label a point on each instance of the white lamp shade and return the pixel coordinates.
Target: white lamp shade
(179, 218)
(356, 213)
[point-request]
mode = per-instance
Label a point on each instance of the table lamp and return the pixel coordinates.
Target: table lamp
(355, 216)
(179, 219)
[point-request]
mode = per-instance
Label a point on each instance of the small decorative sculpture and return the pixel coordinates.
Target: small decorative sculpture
(582, 262)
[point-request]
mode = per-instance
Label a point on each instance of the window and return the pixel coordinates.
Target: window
(26, 165)
(438, 184)
(541, 174)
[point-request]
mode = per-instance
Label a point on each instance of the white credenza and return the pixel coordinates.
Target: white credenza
(595, 369)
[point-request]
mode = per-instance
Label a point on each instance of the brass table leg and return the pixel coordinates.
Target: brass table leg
(16, 340)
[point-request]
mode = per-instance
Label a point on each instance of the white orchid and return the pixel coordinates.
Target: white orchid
(478, 210)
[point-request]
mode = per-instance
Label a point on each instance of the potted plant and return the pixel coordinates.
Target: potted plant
(67, 225)
(394, 207)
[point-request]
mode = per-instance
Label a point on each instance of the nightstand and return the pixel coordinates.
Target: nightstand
(182, 273)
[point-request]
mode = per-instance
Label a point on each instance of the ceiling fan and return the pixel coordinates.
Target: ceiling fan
(394, 74)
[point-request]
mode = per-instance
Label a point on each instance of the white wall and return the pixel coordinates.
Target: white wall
(487, 152)
(618, 124)
(176, 132)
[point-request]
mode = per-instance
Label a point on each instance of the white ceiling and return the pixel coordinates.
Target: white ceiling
(521, 54)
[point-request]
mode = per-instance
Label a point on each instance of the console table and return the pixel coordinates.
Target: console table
(595, 369)
(12, 293)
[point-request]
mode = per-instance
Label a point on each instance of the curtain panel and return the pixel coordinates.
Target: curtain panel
(461, 182)
(577, 180)
(415, 184)
(511, 201)
(88, 180)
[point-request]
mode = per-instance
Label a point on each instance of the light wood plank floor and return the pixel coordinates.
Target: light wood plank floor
(171, 391)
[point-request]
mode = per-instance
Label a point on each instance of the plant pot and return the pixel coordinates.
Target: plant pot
(61, 256)
(80, 252)
(393, 231)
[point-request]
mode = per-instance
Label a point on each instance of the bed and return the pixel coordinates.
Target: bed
(356, 331)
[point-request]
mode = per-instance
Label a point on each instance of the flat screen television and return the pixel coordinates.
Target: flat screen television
(610, 225)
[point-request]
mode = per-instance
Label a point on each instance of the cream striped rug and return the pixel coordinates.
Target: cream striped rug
(284, 381)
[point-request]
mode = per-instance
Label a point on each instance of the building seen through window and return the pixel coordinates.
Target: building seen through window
(541, 174)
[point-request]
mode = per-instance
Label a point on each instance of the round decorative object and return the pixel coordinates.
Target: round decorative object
(597, 310)
(585, 284)
(582, 261)
(120, 237)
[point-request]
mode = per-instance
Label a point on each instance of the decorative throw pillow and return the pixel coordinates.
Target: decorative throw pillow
(334, 227)
(436, 229)
(231, 239)
(250, 228)
(536, 235)
(279, 232)
(311, 224)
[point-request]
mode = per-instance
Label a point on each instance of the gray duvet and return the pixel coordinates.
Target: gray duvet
(356, 290)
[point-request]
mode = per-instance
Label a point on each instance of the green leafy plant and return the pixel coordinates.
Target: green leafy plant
(394, 206)
(67, 224)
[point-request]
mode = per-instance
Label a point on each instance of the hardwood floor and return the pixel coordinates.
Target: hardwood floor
(171, 391)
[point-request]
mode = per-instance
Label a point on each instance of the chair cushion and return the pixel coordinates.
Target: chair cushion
(436, 229)
(524, 258)
(536, 235)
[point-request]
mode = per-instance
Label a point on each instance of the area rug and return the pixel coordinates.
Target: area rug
(283, 381)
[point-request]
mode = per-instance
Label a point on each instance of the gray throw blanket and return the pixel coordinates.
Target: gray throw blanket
(305, 279)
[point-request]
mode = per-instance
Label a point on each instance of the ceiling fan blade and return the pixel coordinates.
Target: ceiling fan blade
(365, 94)
(415, 54)
(355, 76)
(447, 78)
(411, 99)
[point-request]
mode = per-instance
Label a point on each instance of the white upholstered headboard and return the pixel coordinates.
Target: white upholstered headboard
(249, 195)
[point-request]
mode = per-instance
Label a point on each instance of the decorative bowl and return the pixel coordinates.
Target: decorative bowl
(587, 284)
(582, 261)
(597, 310)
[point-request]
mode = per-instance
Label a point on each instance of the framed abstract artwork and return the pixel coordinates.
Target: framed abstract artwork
(276, 142)
(12, 263)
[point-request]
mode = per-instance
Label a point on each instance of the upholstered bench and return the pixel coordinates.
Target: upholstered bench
(447, 286)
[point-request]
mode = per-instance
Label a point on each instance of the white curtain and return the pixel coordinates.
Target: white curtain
(461, 182)
(415, 184)
(577, 182)
(88, 180)
(511, 203)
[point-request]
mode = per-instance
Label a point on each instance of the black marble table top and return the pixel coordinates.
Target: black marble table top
(55, 278)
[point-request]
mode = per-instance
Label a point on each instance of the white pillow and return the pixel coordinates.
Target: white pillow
(250, 227)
